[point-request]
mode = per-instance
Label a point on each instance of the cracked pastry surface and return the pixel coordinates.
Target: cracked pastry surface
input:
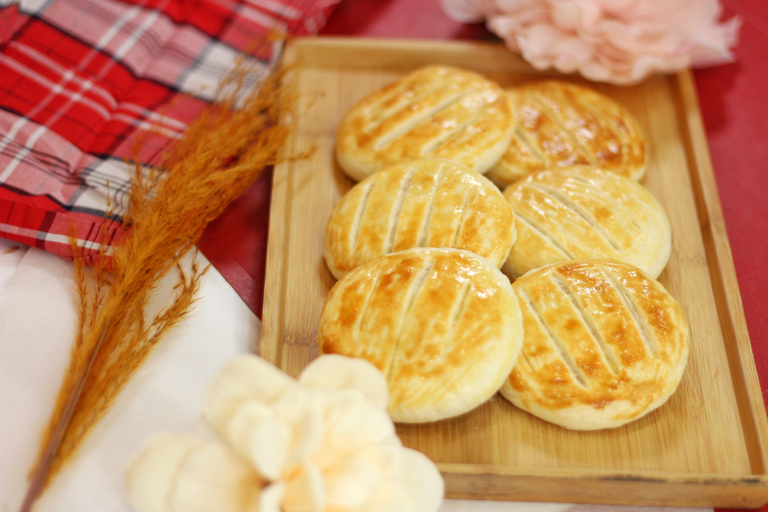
(433, 112)
(424, 203)
(443, 325)
(604, 344)
(586, 213)
(560, 124)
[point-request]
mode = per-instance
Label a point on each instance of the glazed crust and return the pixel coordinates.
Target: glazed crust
(424, 203)
(434, 112)
(560, 124)
(443, 325)
(604, 344)
(586, 213)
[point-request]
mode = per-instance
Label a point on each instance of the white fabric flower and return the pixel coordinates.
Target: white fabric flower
(617, 41)
(324, 442)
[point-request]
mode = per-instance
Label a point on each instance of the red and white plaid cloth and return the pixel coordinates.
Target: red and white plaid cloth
(80, 79)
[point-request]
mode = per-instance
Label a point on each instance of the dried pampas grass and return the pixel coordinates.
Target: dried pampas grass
(220, 156)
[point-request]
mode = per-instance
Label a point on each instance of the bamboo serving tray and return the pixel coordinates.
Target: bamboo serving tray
(707, 446)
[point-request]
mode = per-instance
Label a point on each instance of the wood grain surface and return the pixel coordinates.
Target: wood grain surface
(707, 446)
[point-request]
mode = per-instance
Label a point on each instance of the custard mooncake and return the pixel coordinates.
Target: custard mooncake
(443, 325)
(424, 203)
(563, 124)
(434, 112)
(586, 213)
(604, 344)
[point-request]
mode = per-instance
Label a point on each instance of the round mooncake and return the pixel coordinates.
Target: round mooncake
(604, 344)
(433, 112)
(443, 325)
(424, 203)
(586, 213)
(560, 124)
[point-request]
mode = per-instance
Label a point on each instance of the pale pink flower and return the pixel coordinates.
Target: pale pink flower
(617, 41)
(321, 443)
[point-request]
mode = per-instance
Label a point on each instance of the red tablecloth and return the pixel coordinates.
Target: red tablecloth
(733, 104)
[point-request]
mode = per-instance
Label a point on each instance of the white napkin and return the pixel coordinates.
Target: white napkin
(37, 321)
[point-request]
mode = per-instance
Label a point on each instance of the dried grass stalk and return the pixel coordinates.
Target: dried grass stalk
(221, 154)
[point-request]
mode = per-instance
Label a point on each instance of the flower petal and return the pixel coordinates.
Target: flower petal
(212, 478)
(256, 434)
(466, 11)
(301, 411)
(305, 492)
(151, 473)
(422, 481)
(270, 498)
(355, 480)
(351, 423)
(617, 41)
(333, 371)
(391, 497)
(356, 423)
(245, 377)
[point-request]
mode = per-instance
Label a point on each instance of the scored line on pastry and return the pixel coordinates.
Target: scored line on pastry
(621, 211)
(410, 299)
(382, 116)
(543, 233)
(360, 320)
(397, 209)
(608, 355)
(451, 338)
(424, 227)
(520, 135)
(524, 356)
(583, 150)
(439, 142)
(398, 131)
(643, 328)
(551, 140)
(577, 209)
(356, 223)
(458, 310)
(468, 198)
(562, 351)
(615, 117)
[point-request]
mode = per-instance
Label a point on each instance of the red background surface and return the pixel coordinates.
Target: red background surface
(734, 105)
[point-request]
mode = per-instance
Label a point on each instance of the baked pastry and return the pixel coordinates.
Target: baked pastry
(434, 112)
(586, 213)
(564, 124)
(423, 203)
(443, 325)
(604, 344)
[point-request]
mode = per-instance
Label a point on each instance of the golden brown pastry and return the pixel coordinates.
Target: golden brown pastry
(563, 124)
(586, 213)
(442, 324)
(423, 203)
(604, 344)
(434, 112)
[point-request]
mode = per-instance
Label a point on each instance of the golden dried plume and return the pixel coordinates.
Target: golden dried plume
(220, 155)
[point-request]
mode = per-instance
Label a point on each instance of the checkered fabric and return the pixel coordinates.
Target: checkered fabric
(81, 79)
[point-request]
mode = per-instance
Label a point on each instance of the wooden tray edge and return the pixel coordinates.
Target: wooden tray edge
(723, 274)
(319, 51)
(466, 481)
